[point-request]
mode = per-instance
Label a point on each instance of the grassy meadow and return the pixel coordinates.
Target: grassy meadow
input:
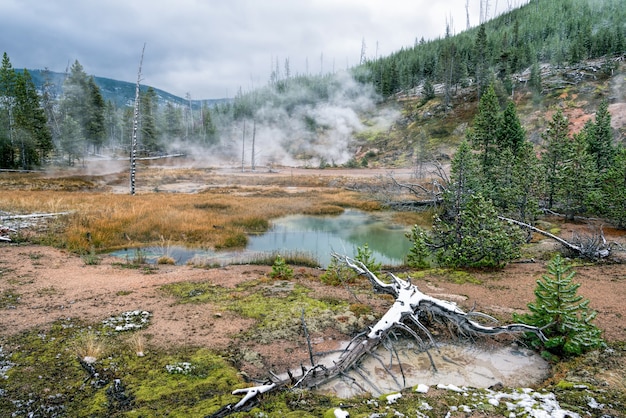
(218, 217)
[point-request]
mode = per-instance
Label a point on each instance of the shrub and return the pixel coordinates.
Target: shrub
(91, 258)
(337, 273)
(419, 251)
(280, 269)
(365, 256)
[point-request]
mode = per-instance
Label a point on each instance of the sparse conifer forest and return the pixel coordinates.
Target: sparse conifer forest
(498, 151)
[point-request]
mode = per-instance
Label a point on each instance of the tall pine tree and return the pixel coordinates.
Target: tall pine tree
(8, 154)
(614, 190)
(600, 138)
(32, 132)
(485, 132)
(557, 143)
(95, 129)
(83, 103)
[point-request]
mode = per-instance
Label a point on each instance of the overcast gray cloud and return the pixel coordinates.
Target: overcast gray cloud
(211, 48)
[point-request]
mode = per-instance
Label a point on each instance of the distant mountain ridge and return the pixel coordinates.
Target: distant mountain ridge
(121, 93)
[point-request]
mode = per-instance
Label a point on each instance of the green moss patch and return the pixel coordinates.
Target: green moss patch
(9, 299)
(72, 369)
(195, 292)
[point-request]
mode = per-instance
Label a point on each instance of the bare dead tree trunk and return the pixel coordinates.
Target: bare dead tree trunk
(133, 147)
(404, 315)
(243, 147)
(253, 162)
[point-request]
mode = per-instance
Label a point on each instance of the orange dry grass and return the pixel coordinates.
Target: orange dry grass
(219, 218)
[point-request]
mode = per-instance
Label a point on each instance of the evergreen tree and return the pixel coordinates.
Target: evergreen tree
(534, 81)
(510, 134)
(7, 101)
(563, 316)
(525, 186)
(481, 60)
(419, 252)
(112, 124)
(468, 232)
(50, 107)
(148, 113)
(75, 105)
(614, 190)
(95, 130)
(600, 138)
(172, 122)
(428, 91)
(128, 115)
(555, 154)
(31, 126)
(485, 132)
(448, 58)
(513, 187)
(83, 103)
(464, 181)
(208, 126)
(72, 139)
(477, 238)
(577, 176)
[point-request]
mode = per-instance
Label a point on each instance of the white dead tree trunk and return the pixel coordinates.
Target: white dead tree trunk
(133, 147)
(404, 315)
(252, 156)
(243, 147)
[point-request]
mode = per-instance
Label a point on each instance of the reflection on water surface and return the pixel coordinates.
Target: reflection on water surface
(315, 236)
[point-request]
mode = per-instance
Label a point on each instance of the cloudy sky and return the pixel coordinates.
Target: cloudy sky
(211, 48)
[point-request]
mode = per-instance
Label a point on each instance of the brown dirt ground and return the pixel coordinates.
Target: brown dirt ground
(54, 284)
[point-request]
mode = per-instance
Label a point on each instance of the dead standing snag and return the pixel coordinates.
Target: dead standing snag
(404, 315)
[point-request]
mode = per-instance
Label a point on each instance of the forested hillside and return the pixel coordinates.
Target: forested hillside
(560, 32)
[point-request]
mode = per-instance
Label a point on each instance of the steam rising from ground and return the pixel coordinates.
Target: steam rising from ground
(298, 122)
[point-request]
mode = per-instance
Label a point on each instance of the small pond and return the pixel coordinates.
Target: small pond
(318, 236)
(459, 365)
(314, 236)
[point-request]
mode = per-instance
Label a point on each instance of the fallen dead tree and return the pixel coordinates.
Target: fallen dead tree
(592, 248)
(406, 315)
(18, 221)
(33, 215)
(5, 231)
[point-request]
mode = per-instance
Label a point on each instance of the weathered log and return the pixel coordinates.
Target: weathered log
(33, 215)
(409, 304)
(593, 252)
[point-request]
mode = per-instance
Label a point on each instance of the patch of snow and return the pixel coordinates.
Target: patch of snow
(339, 413)
(453, 388)
(182, 367)
(424, 406)
(393, 398)
(592, 403)
(531, 404)
(422, 388)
